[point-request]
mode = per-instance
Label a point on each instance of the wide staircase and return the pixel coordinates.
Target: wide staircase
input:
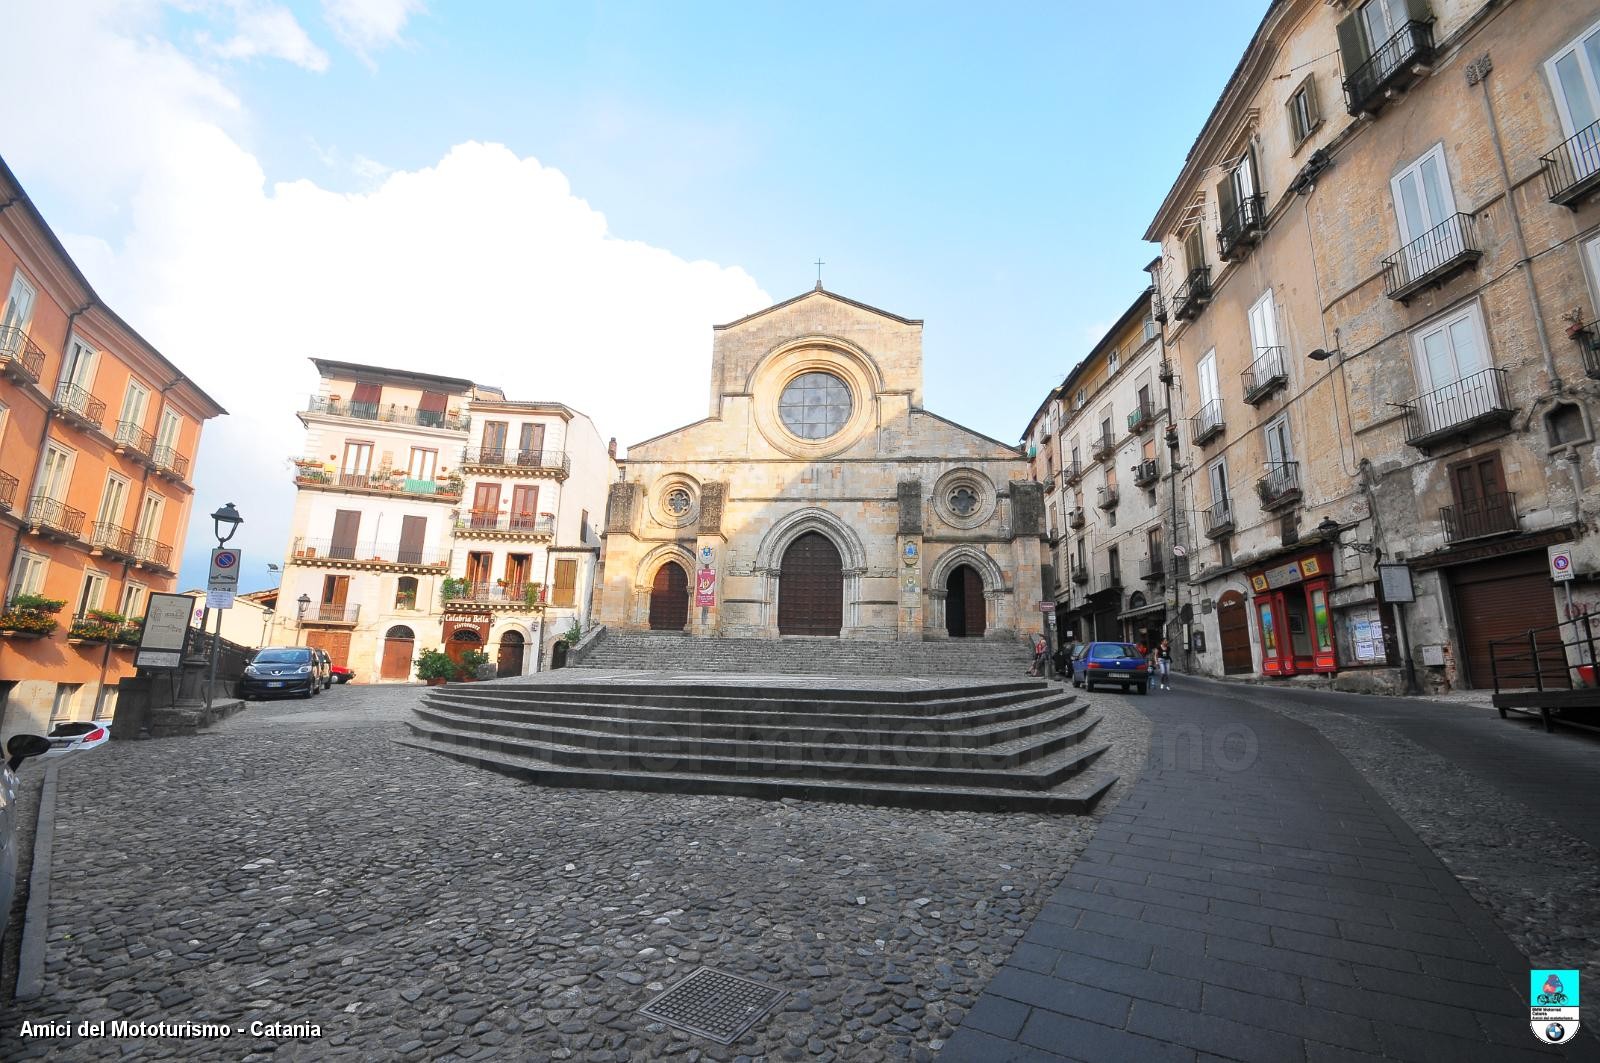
(662, 651)
(989, 744)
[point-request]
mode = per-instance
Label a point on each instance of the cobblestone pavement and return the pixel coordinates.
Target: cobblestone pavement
(294, 865)
(1254, 898)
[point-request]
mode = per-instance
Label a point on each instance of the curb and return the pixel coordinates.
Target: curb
(36, 922)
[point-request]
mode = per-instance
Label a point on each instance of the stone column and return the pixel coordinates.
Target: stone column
(704, 620)
(1027, 531)
(910, 562)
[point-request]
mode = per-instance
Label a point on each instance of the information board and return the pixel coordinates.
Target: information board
(166, 630)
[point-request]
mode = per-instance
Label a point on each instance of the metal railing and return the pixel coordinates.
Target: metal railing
(1076, 518)
(311, 550)
(1103, 447)
(498, 592)
(1280, 484)
(1152, 568)
(1388, 64)
(87, 627)
(55, 515)
(1193, 294)
(1107, 497)
(515, 524)
(77, 401)
(1448, 246)
(111, 538)
(310, 472)
(331, 614)
(1477, 517)
(1572, 169)
(1147, 472)
(8, 490)
(168, 460)
(130, 436)
(1243, 227)
(1207, 423)
(504, 457)
(1218, 517)
(1540, 654)
(1111, 581)
(1141, 417)
(452, 420)
(1455, 408)
(19, 352)
(152, 552)
(1080, 575)
(1072, 472)
(1588, 337)
(1266, 372)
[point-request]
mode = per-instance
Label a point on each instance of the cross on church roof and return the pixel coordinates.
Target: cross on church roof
(819, 265)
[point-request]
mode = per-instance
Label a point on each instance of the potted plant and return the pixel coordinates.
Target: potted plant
(434, 667)
(472, 664)
(30, 616)
(132, 632)
(1574, 320)
(533, 594)
(97, 625)
(450, 588)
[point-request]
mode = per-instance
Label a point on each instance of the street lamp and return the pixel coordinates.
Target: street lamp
(225, 522)
(300, 620)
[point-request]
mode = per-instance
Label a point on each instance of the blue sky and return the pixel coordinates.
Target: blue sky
(988, 170)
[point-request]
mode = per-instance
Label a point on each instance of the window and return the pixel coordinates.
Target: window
(1278, 450)
(1264, 325)
(357, 464)
(566, 588)
(134, 401)
(494, 440)
(1423, 201)
(431, 409)
(133, 599)
(61, 708)
(1105, 427)
(815, 405)
(1114, 564)
(480, 567)
(1217, 473)
(423, 465)
(1149, 327)
(1450, 349)
(1083, 398)
(93, 592)
(1077, 456)
(1112, 360)
(583, 527)
(5, 417)
(75, 366)
(55, 473)
(405, 593)
(1235, 191)
(1304, 116)
(18, 315)
(1574, 74)
(149, 526)
(679, 502)
(1194, 249)
(171, 426)
(29, 579)
(364, 401)
(1153, 543)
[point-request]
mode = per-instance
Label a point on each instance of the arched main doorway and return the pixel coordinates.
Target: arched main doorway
(462, 640)
(811, 587)
(964, 614)
(669, 598)
(509, 660)
(1233, 631)
(399, 643)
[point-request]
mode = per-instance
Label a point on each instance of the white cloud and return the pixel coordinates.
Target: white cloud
(271, 31)
(367, 26)
(484, 265)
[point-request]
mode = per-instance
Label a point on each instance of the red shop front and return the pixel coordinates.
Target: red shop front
(1292, 615)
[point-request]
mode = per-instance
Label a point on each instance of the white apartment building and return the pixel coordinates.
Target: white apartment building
(527, 535)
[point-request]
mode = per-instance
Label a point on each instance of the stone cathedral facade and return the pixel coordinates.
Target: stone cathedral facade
(818, 497)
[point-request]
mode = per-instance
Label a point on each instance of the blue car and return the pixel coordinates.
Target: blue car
(1106, 664)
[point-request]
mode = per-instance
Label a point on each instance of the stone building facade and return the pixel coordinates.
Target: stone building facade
(1377, 270)
(819, 498)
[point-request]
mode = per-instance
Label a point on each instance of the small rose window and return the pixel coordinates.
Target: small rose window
(678, 502)
(963, 501)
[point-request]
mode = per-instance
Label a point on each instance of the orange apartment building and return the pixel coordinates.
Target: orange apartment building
(98, 436)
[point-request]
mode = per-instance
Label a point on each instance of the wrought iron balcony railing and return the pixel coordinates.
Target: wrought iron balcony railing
(76, 404)
(312, 551)
(1080, 575)
(1207, 424)
(329, 613)
(19, 355)
(1111, 581)
(1076, 518)
(1218, 519)
(1141, 417)
(451, 420)
(541, 460)
(1103, 447)
(1572, 170)
(1391, 67)
(507, 523)
(309, 472)
(133, 440)
(1193, 294)
(1147, 472)
(1588, 339)
(1072, 472)
(169, 462)
(1432, 258)
(1107, 497)
(1280, 485)
(51, 515)
(152, 552)
(111, 539)
(1266, 374)
(1153, 568)
(1457, 409)
(1479, 517)
(498, 592)
(1243, 228)
(8, 490)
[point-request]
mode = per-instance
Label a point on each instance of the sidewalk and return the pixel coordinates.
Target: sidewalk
(1254, 898)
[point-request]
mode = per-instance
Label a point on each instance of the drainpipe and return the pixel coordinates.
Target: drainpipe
(1478, 74)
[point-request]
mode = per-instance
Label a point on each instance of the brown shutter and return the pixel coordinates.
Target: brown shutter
(432, 402)
(1194, 249)
(566, 583)
(412, 530)
(346, 527)
(368, 394)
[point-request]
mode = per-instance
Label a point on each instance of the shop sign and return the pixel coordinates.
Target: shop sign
(705, 587)
(1396, 582)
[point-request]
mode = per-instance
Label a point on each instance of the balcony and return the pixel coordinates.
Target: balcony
(53, 518)
(1111, 581)
(332, 614)
(1142, 417)
(1107, 497)
(1077, 518)
(488, 524)
(1080, 575)
(1572, 170)
(111, 540)
(1207, 424)
(325, 553)
(1146, 472)
(450, 421)
(1153, 569)
(553, 463)
(77, 406)
(309, 472)
(1432, 258)
(152, 554)
(20, 357)
(170, 464)
(1478, 518)
(1243, 229)
(1218, 519)
(1280, 486)
(501, 594)
(8, 490)
(1588, 338)
(1265, 375)
(1193, 294)
(1391, 69)
(1072, 472)
(1457, 409)
(134, 442)
(1102, 448)
(99, 627)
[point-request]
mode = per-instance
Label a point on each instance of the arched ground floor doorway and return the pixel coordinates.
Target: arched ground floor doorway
(508, 661)
(399, 646)
(965, 615)
(669, 598)
(811, 587)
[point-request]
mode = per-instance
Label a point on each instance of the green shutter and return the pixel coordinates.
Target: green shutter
(1227, 201)
(1419, 11)
(1352, 44)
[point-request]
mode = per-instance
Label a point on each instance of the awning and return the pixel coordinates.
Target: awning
(1143, 610)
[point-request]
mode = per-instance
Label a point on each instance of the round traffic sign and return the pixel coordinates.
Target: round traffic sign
(1560, 562)
(226, 559)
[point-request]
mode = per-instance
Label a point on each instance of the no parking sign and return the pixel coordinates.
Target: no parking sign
(1561, 563)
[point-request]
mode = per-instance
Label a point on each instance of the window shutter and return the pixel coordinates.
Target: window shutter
(566, 583)
(1194, 251)
(367, 394)
(1253, 161)
(1419, 10)
(1313, 111)
(1227, 202)
(432, 402)
(1352, 44)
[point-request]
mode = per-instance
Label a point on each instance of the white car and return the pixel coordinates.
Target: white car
(77, 735)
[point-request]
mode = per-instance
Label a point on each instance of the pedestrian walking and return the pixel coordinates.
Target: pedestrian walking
(1164, 662)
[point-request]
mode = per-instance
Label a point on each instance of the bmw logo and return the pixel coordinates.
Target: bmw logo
(1555, 1031)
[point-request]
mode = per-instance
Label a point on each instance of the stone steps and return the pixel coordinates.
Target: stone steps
(663, 651)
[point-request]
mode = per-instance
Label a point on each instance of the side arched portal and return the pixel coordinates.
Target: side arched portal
(508, 661)
(964, 608)
(669, 598)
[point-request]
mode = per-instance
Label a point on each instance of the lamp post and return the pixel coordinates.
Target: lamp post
(300, 619)
(224, 525)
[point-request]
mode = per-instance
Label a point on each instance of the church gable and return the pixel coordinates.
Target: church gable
(927, 433)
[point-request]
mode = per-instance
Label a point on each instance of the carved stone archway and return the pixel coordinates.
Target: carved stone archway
(644, 578)
(935, 623)
(782, 534)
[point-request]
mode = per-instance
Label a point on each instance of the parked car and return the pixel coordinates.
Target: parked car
(20, 748)
(1115, 664)
(76, 735)
(342, 674)
(324, 667)
(281, 670)
(1078, 657)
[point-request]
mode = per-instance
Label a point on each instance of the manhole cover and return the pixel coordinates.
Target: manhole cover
(714, 1004)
